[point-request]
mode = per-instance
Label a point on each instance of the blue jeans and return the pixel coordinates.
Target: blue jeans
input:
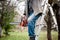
(31, 24)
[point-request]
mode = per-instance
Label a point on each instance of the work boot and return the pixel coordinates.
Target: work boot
(32, 38)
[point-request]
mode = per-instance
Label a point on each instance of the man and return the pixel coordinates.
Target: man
(34, 12)
(34, 8)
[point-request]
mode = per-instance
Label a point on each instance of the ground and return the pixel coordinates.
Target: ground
(24, 36)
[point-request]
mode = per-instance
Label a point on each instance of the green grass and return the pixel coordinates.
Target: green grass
(24, 36)
(43, 35)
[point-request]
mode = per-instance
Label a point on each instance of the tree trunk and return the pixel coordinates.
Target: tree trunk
(49, 26)
(58, 21)
(48, 21)
(56, 8)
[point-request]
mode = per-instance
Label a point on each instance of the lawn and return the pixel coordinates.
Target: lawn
(24, 36)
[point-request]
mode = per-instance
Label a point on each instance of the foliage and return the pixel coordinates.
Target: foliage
(7, 16)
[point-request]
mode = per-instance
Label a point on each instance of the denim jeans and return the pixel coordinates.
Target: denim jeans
(31, 24)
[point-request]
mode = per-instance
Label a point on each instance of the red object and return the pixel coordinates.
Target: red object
(23, 22)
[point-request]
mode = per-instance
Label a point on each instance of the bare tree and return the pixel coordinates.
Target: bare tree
(49, 21)
(49, 24)
(56, 8)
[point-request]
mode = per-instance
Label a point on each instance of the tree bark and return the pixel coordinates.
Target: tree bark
(49, 26)
(58, 21)
(48, 22)
(56, 8)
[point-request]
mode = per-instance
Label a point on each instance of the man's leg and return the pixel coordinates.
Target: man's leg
(31, 26)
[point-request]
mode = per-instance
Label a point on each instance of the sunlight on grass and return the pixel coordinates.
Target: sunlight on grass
(24, 36)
